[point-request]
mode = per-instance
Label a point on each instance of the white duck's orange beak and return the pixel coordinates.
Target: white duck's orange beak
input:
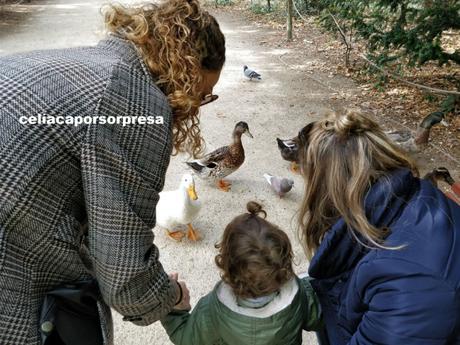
(191, 192)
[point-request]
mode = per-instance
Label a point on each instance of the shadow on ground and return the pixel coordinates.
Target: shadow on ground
(14, 16)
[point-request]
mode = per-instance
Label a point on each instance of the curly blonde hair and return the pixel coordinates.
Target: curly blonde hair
(177, 40)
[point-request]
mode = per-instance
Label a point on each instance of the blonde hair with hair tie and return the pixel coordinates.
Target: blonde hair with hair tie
(177, 41)
(340, 157)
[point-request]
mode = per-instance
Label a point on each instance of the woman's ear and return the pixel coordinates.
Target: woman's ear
(209, 80)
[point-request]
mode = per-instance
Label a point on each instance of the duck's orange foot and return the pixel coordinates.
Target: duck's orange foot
(223, 185)
(176, 235)
(294, 167)
(192, 234)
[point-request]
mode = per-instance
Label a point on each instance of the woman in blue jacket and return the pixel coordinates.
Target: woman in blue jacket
(385, 245)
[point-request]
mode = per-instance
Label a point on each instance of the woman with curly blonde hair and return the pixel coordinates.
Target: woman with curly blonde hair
(184, 49)
(384, 244)
(87, 135)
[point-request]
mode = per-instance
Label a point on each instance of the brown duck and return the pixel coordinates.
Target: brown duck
(224, 161)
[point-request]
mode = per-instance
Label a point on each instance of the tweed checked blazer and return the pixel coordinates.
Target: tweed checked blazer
(58, 179)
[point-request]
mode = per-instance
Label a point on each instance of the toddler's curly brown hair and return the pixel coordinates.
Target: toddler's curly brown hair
(255, 256)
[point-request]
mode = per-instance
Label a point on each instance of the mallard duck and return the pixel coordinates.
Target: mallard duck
(225, 160)
(179, 207)
(411, 142)
(442, 174)
(289, 149)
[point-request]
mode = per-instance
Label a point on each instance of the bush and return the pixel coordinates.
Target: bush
(395, 28)
(258, 8)
(223, 2)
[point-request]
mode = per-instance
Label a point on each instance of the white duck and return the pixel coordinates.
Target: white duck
(179, 207)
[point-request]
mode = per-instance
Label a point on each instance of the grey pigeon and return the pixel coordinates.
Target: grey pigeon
(280, 185)
(249, 73)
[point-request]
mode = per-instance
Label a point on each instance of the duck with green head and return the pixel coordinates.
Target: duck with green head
(416, 142)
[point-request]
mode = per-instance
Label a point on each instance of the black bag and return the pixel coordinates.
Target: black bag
(70, 316)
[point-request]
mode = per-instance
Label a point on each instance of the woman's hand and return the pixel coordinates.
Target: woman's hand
(183, 294)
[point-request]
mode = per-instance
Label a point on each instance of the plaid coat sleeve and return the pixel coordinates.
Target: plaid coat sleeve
(123, 169)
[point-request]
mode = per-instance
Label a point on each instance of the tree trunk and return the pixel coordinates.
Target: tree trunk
(402, 20)
(289, 19)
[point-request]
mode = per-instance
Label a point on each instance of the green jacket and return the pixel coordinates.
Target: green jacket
(218, 320)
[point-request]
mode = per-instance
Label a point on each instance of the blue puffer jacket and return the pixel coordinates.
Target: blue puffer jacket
(409, 296)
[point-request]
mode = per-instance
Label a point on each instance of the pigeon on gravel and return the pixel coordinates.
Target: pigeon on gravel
(280, 185)
(249, 73)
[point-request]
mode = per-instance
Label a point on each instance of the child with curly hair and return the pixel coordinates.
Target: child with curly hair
(259, 299)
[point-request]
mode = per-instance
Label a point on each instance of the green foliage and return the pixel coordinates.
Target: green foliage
(258, 8)
(307, 6)
(223, 2)
(394, 28)
(432, 98)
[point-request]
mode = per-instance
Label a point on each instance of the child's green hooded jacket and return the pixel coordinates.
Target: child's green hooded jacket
(217, 319)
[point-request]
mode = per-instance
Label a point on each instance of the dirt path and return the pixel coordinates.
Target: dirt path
(278, 106)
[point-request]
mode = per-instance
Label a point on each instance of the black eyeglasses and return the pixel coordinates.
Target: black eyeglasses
(208, 99)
